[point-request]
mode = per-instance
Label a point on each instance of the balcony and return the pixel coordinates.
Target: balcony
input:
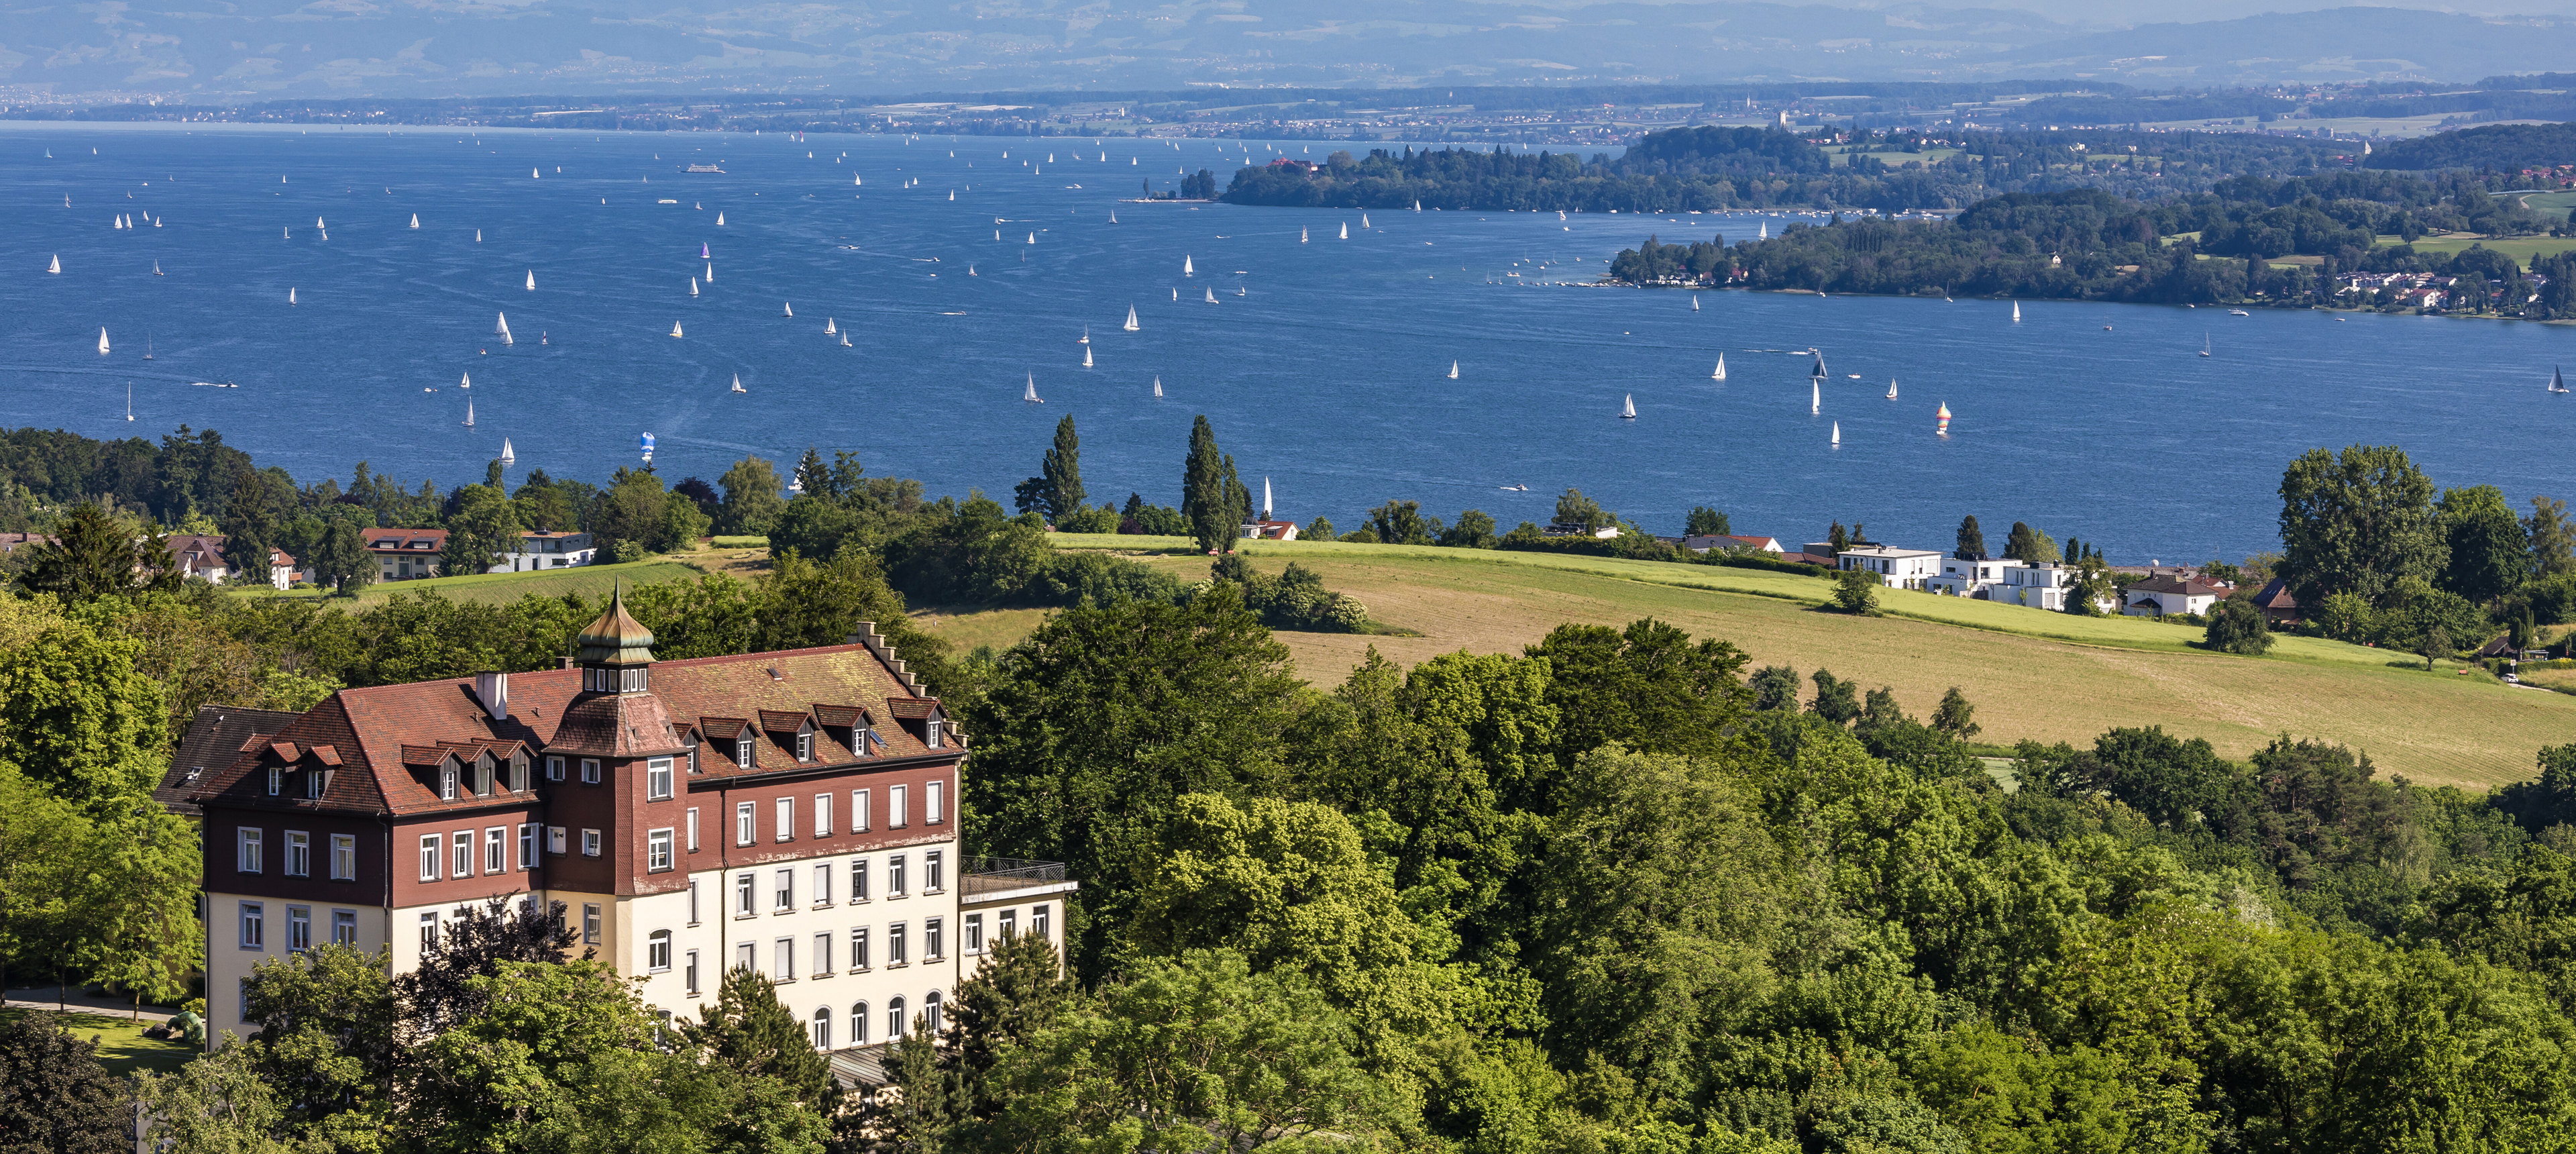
(997, 875)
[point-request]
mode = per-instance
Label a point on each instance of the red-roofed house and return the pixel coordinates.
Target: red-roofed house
(792, 812)
(2278, 606)
(200, 557)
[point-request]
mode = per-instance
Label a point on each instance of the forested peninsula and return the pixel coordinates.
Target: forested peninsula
(2299, 242)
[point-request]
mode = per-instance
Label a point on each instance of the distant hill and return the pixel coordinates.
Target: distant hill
(2503, 147)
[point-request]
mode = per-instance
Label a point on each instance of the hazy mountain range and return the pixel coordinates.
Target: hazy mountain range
(235, 49)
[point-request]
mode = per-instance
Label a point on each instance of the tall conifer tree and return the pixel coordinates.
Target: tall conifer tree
(1062, 470)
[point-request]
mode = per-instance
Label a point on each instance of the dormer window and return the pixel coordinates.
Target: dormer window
(482, 778)
(742, 750)
(518, 773)
(313, 784)
(693, 754)
(447, 782)
(930, 733)
(805, 746)
(276, 780)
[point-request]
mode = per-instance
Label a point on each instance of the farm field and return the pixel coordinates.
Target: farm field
(2521, 248)
(2048, 676)
(496, 588)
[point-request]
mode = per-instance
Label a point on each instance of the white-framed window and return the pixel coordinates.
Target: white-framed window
(823, 953)
(460, 854)
(590, 843)
(894, 876)
(895, 945)
(1038, 922)
(276, 779)
(689, 970)
(859, 1024)
(743, 821)
(930, 1010)
(823, 1028)
(254, 926)
(858, 811)
(974, 934)
(429, 930)
(496, 850)
(932, 811)
(823, 883)
(745, 956)
(657, 851)
(447, 782)
(527, 846)
(786, 892)
(859, 948)
(246, 850)
(689, 822)
(299, 928)
(693, 901)
(804, 747)
(590, 923)
(518, 773)
(344, 927)
(933, 938)
(313, 784)
(822, 815)
(742, 750)
(934, 871)
(859, 880)
(786, 818)
(657, 779)
(590, 771)
(429, 857)
(554, 768)
(894, 1018)
(930, 734)
(299, 854)
(894, 807)
(742, 887)
(657, 951)
(1002, 922)
(344, 857)
(555, 843)
(482, 778)
(782, 957)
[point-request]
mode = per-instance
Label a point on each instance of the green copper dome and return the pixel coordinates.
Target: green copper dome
(617, 638)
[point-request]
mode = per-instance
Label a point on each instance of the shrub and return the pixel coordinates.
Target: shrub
(1856, 592)
(2238, 627)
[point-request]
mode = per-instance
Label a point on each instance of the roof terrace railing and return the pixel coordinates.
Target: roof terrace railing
(985, 875)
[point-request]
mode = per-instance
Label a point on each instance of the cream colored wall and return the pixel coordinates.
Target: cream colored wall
(227, 963)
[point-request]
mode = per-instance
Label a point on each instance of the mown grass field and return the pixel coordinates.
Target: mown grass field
(496, 588)
(2521, 248)
(2032, 674)
(122, 1048)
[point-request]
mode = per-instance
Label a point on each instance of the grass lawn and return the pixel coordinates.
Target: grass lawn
(496, 588)
(122, 1048)
(2558, 203)
(2521, 248)
(2032, 674)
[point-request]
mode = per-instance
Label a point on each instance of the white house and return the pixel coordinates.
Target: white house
(1896, 568)
(1703, 544)
(539, 549)
(2160, 596)
(200, 556)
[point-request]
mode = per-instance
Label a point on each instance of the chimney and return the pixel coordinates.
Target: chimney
(493, 690)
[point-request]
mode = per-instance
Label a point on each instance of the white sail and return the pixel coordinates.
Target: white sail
(737, 384)
(1720, 374)
(469, 412)
(952, 196)
(478, 236)
(1346, 230)
(415, 223)
(1891, 388)
(129, 400)
(2016, 310)
(1265, 498)
(828, 329)
(317, 223)
(720, 218)
(501, 327)
(1211, 294)
(1364, 220)
(693, 286)
(467, 382)
(2204, 344)
(508, 458)
(710, 278)
(1301, 236)
(532, 280)
(1628, 407)
(1132, 326)
(1033, 238)
(102, 342)
(1838, 434)
(1815, 396)
(1694, 302)
(1417, 206)
(1765, 234)
(1453, 370)
(290, 295)
(845, 339)
(1086, 356)
(675, 328)
(54, 265)
(789, 306)
(1031, 395)
(1188, 269)
(2557, 382)
(1176, 294)
(1158, 386)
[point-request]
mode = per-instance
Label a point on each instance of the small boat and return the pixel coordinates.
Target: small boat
(1891, 388)
(1694, 302)
(129, 400)
(415, 220)
(467, 383)
(508, 458)
(284, 233)
(56, 264)
(719, 218)
(1086, 356)
(1158, 386)
(1030, 395)
(1853, 376)
(1521, 488)
(290, 295)
(532, 280)
(710, 278)
(317, 223)
(702, 250)
(789, 307)
(2238, 313)
(1838, 434)
(156, 265)
(501, 328)
(2016, 312)
(1033, 238)
(2204, 344)
(1086, 336)
(1211, 294)
(541, 337)
(693, 286)
(478, 236)
(1942, 420)
(1628, 407)
(1346, 230)
(1417, 206)
(1301, 236)
(675, 328)
(1816, 395)
(970, 270)
(828, 329)
(469, 412)
(1364, 220)
(1453, 370)
(1720, 374)
(1186, 268)
(737, 384)
(1113, 213)
(1176, 295)
(845, 338)
(1131, 319)
(2557, 383)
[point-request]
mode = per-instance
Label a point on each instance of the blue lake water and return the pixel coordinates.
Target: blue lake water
(1323, 366)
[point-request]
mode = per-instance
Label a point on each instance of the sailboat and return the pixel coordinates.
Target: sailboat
(290, 294)
(828, 329)
(693, 286)
(1158, 386)
(1453, 370)
(1628, 407)
(1113, 213)
(1891, 388)
(1033, 239)
(1765, 234)
(1086, 356)
(466, 383)
(710, 278)
(1176, 295)
(1815, 395)
(1694, 302)
(970, 270)
(532, 280)
(845, 338)
(469, 412)
(675, 328)
(56, 265)
(788, 306)
(2557, 383)
(317, 223)
(1086, 336)
(501, 328)
(478, 236)
(737, 384)
(156, 269)
(2204, 344)
(1364, 220)
(1211, 294)
(129, 400)
(1838, 434)
(1030, 395)
(1131, 319)
(1942, 420)
(1819, 370)
(952, 196)
(508, 458)
(1417, 206)
(1301, 236)
(1188, 269)
(1346, 230)
(719, 218)
(415, 220)
(147, 346)
(702, 250)
(2016, 312)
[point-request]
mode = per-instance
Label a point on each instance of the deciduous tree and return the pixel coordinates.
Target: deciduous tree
(2357, 521)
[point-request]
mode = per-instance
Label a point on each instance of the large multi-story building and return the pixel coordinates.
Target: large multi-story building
(791, 812)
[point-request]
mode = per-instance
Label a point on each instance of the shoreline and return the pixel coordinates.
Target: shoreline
(2247, 305)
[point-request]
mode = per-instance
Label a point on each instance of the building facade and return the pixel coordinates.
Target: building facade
(1896, 568)
(792, 813)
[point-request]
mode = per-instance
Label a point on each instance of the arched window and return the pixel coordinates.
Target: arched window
(930, 1009)
(823, 1027)
(894, 1019)
(859, 1024)
(657, 951)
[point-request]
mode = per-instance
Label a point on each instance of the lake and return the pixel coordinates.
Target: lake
(1323, 366)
